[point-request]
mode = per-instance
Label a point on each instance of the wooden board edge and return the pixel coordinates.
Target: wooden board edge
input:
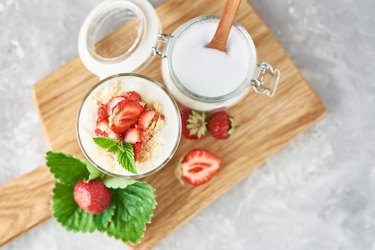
(35, 98)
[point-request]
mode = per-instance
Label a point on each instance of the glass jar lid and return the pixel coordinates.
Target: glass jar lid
(133, 26)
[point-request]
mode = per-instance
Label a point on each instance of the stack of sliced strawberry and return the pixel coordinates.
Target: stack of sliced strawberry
(128, 118)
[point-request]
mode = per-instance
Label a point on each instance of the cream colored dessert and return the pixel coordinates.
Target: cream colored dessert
(165, 136)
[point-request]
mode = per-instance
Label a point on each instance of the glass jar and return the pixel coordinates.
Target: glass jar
(152, 92)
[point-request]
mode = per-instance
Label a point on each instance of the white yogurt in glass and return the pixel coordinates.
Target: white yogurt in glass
(166, 139)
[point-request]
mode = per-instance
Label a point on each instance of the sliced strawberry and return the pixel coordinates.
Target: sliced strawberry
(199, 166)
(102, 114)
(137, 148)
(125, 115)
(102, 129)
(113, 102)
(146, 118)
(132, 95)
(133, 135)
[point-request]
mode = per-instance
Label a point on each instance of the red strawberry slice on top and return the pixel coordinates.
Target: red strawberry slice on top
(133, 135)
(102, 114)
(113, 102)
(146, 118)
(102, 129)
(132, 95)
(199, 166)
(137, 148)
(125, 115)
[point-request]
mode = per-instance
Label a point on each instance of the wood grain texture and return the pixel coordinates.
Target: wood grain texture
(24, 203)
(265, 126)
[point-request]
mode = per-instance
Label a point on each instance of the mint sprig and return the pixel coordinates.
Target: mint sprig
(126, 218)
(123, 150)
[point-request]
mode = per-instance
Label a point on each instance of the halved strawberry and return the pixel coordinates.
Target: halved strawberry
(132, 95)
(102, 114)
(146, 118)
(102, 129)
(113, 102)
(133, 135)
(125, 115)
(137, 148)
(199, 166)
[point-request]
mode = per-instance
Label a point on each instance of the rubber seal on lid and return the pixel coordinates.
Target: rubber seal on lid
(134, 24)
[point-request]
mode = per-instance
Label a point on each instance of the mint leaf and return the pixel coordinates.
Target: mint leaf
(105, 143)
(66, 168)
(134, 209)
(126, 157)
(113, 149)
(67, 212)
(101, 220)
(93, 171)
(115, 183)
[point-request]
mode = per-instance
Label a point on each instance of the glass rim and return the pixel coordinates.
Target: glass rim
(135, 176)
(246, 82)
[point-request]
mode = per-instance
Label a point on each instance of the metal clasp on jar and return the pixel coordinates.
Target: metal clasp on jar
(162, 39)
(258, 83)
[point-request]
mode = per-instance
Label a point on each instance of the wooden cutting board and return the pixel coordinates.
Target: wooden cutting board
(265, 126)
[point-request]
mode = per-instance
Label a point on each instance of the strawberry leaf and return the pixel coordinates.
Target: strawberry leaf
(115, 183)
(66, 169)
(134, 209)
(94, 172)
(67, 212)
(102, 220)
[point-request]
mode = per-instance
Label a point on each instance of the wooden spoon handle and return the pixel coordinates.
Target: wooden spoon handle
(219, 41)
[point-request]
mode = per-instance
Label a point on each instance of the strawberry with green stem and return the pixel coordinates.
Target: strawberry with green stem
(193, 124)
(221, 125)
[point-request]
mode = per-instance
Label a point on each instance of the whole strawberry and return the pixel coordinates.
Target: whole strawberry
(193, 124)
(92, 197)
(221, 125)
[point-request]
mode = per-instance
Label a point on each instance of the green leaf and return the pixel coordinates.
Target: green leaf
(115, 183)
(66, 168)
(126, 157)
(113, 149)
(105, 143)
(134, 209)
(67, 212)
(94, 172)
(102, 220)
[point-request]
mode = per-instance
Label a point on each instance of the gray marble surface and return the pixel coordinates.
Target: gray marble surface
(317, 193)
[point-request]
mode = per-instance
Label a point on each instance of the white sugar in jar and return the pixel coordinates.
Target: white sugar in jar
(204, 78)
